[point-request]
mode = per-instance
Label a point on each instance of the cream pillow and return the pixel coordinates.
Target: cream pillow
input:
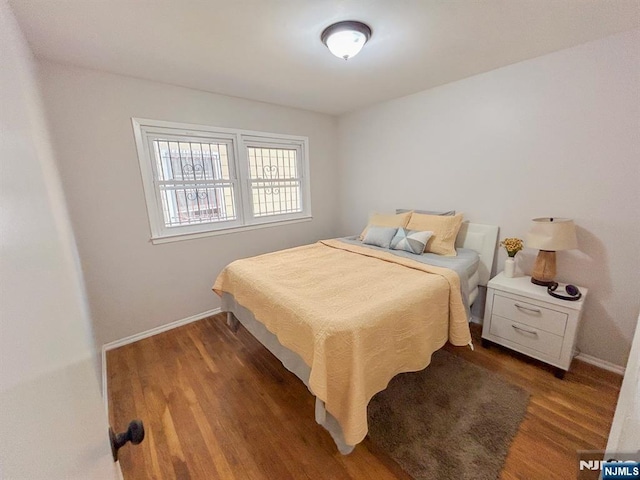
(387, 220)
(445, 230)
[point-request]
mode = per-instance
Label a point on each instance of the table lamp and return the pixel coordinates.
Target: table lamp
(549, 235)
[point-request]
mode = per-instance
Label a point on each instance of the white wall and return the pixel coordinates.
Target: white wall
(133, 285)
(52, 417)
(552, 136)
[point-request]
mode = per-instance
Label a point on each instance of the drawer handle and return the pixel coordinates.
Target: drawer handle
(532, 332)
(535, 310)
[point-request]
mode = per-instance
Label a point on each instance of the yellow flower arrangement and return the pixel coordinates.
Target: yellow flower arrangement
(512, 245)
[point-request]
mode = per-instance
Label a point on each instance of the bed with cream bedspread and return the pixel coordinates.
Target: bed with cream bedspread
(356, 317)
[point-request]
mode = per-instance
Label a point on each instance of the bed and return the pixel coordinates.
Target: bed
(346, 318)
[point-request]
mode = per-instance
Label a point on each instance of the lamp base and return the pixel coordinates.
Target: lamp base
(544, 270)
(541, 282)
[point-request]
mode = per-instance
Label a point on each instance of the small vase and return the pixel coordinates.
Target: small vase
(510, 267)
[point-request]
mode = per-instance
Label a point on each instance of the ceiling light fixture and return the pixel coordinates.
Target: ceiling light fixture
(346, 39)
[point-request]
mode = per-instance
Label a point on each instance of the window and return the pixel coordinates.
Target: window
(204, 180)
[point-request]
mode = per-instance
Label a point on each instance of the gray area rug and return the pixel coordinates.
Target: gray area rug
(452, 420)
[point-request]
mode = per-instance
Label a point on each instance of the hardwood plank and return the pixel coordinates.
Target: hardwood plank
(217, 404)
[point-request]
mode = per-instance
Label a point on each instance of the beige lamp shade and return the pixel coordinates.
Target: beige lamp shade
(552, 234)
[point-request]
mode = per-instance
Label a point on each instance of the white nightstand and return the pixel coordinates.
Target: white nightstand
(525, 318)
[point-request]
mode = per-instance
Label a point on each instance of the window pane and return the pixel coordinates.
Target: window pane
(191, 161)
(275, 197)
(197, 204)
(272, 163)
(275, 185)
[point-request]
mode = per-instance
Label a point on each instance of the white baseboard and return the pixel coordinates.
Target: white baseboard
(157, 330)
(139, 336)
(612, 367)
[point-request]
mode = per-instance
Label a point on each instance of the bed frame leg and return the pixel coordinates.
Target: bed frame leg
(232, 322)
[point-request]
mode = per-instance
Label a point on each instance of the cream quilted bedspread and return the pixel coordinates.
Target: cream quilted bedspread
(356, 316)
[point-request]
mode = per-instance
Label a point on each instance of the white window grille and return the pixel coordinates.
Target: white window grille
(202, 180)
(275, 179)
(194, 181)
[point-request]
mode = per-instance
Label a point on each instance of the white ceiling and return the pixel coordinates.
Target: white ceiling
(270, 50)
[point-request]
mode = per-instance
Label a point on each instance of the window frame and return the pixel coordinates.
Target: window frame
(147, 130)
(261, 142)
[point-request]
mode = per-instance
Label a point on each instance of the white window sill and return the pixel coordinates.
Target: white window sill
(211, 233)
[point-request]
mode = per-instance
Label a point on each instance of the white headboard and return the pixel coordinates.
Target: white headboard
(482, 239)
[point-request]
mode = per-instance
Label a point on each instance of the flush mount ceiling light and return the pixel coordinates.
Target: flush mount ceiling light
(346, 39)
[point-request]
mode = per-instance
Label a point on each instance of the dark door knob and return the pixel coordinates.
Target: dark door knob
(134, 434)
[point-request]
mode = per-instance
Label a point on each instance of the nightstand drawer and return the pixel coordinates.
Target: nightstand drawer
(544, 342)
(530, 314)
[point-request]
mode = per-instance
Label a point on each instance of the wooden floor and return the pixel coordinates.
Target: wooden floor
(218, 405)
